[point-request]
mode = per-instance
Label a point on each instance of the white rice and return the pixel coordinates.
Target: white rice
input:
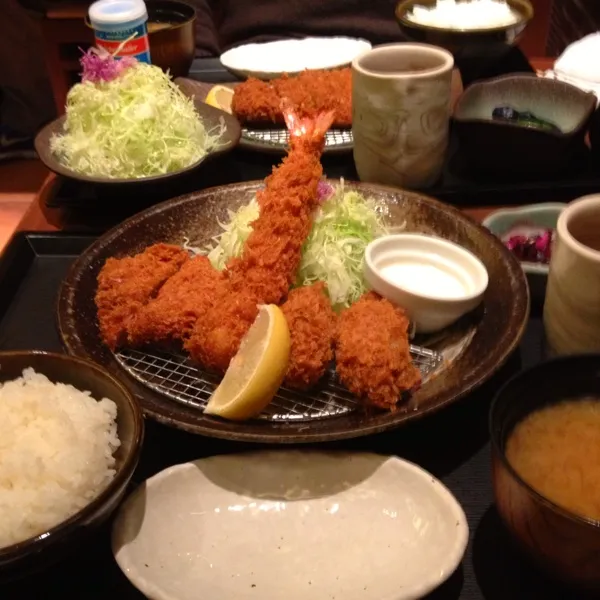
(469, 15)
(56, 453)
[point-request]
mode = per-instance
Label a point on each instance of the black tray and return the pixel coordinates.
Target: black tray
(458, 185)
(453, 445)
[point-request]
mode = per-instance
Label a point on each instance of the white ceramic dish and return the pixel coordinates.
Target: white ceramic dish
(273, 59)
(436, 281)
(290, 525)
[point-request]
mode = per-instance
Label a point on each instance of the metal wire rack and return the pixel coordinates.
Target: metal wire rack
(176, 377)
(334, 138)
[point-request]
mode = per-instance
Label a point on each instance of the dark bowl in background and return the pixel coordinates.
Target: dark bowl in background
(499, 147)
(479, 45)
(172, 48)
(563, 544)
(21, 559)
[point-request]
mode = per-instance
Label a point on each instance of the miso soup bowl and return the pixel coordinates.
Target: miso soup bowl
(565, 545)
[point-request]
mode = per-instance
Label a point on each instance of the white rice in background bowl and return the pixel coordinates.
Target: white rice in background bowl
(57, 447)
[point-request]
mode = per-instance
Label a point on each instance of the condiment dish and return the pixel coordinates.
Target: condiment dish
(504, 147)
(436, 281)
(37, 552)
(502, 222)
(565, 545)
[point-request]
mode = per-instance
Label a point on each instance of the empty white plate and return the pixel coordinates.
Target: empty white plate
(273, 59)
(290, 525)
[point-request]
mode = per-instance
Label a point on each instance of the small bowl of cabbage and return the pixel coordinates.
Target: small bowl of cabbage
(132, 125)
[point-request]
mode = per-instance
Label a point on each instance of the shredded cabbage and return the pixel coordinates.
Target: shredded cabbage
(334, 251)
(231, 242)
(136, 125)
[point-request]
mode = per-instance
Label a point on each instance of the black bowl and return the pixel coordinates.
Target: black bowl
(504, 148)
(37, 552)
(565, 545)
(471, 48)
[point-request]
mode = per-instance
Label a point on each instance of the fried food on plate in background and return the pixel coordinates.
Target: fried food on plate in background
(126, 285)
(373, 351)
(312, 323)
(181, 301)
(310, 93)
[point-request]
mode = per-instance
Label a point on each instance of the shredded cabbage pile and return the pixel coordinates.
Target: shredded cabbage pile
(137, 124)
(345, 223)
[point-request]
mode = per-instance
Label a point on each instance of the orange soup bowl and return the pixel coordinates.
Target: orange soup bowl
(564, 544)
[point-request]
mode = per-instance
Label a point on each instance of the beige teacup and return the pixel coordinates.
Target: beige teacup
(400, 113)
(572, 308)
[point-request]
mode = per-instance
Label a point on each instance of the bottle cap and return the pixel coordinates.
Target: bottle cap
(112, 12)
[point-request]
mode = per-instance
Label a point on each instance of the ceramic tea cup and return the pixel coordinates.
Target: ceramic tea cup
(572, 307)
(401, 95)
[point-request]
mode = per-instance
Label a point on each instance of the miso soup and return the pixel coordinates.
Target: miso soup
(556, 450)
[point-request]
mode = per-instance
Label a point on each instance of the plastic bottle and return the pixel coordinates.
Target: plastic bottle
(115, 21)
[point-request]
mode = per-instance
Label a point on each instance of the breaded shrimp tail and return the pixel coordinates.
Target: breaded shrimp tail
(306, 132)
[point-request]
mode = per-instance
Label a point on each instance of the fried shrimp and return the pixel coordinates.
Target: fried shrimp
(372, 351)
(181, 301)
(311, 322)
(267, 267)
(126, 285)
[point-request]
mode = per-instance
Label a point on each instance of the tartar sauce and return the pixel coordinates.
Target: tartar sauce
(429, 277)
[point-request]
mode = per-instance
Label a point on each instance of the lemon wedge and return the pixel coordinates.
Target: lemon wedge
(221, 97)
(256, 371)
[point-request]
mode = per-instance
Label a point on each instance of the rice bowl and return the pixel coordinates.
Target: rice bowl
(91, 493)
(56, 453)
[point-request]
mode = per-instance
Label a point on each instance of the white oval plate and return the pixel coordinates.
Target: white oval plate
(273, 59)
(290, 525)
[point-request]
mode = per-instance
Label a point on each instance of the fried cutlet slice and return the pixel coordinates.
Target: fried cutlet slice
(126, 285)
(373, 351)
(256, 101)
(217, 335)
(310, 93)
(181, 301)
(312, 325)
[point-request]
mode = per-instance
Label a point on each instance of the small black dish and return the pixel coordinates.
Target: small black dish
(510, 149)
(565, 545)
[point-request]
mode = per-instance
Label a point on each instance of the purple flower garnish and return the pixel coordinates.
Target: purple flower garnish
(99, 65)
(324, 191)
